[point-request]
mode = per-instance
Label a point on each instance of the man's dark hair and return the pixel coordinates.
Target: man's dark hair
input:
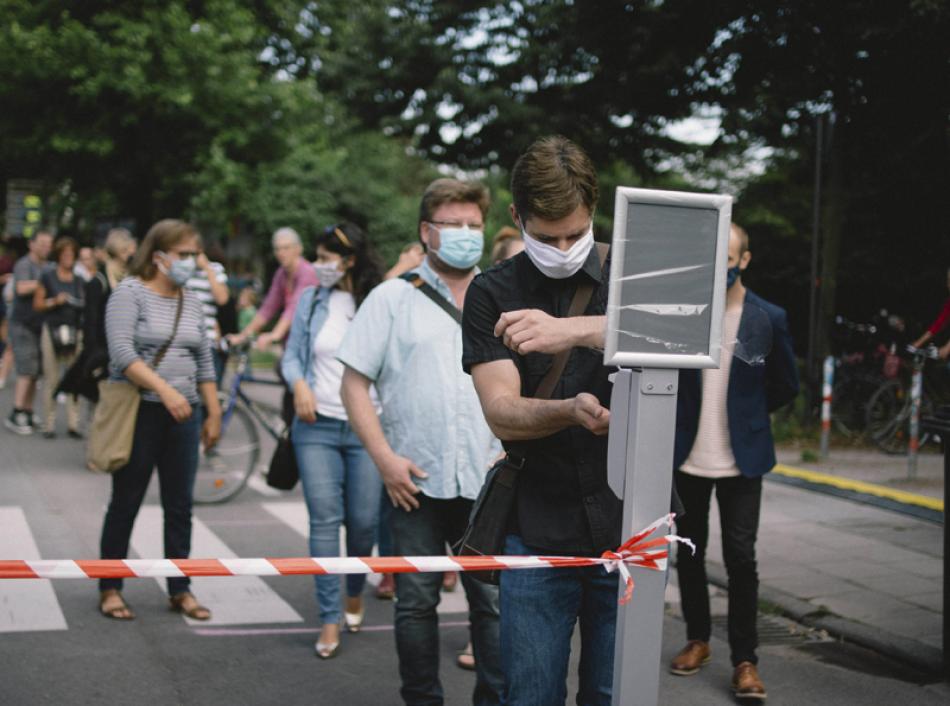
(63, 244)
(552, 178)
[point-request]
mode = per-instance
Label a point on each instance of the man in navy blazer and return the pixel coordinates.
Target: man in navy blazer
(724, 441)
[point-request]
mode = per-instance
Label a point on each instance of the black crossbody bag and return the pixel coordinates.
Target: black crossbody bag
(489, 520)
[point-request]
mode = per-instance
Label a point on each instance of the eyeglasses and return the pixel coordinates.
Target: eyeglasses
(457, 224)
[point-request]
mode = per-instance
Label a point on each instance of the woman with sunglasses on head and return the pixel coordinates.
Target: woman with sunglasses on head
(156, 335)
(340, 482)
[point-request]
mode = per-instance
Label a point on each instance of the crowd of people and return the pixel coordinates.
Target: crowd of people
(403, 388)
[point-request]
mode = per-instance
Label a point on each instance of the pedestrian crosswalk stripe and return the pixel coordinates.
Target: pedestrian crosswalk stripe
(25, 606)
(256, 482)
(238, 600)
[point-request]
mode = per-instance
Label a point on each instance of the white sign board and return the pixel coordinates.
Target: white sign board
(667, 279)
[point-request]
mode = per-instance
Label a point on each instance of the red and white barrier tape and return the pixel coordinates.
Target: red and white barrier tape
(639, 550)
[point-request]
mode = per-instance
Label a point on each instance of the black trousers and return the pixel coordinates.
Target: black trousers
(739, 500)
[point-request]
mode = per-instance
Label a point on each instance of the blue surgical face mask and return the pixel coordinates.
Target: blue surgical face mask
(180, 270)
(460, 248)
(732, 276)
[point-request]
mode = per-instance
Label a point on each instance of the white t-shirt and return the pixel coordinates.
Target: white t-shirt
(711, 455)
(327, 370)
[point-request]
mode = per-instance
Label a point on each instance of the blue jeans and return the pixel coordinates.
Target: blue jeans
(341, 487)
(158, 441)
(539, 608)
(425, 532)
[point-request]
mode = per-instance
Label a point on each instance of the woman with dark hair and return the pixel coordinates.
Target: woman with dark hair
(340, 482)
(93, 362)
(59, 297)
(156, 335)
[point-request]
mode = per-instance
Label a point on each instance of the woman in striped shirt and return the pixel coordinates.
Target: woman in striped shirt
(147, 313)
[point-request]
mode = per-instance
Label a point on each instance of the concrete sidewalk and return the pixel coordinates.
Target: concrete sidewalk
(873, 466)
(867, 575)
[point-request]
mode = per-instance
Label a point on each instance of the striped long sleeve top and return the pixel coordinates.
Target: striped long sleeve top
(140, 321)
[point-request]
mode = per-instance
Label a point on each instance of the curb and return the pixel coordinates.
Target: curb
(920, 506)
(911, 652)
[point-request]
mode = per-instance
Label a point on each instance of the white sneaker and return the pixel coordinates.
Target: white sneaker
(19, 422)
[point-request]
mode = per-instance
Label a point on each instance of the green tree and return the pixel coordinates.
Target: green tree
(121, 102)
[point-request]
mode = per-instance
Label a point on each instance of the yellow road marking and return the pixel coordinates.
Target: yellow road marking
(860, 487)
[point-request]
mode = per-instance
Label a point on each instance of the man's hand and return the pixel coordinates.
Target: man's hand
(60, 299)
(944, 351)
(533, 331)
(305, 404)
(264, 341)
(590, 414)
(411, 258)
(397, 473)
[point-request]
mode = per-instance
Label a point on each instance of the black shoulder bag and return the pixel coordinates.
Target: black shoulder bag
(283, 472)
(489, 519)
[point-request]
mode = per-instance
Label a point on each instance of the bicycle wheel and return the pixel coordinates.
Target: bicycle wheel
(223, 471)
(849, 403)
(889, 417)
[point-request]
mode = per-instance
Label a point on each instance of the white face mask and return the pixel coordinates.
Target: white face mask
(328, 273)
(556, 263)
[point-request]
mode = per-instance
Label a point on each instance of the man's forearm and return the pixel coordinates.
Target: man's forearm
(520, 418)
(364, 419)
(279, 332)
(590, 331)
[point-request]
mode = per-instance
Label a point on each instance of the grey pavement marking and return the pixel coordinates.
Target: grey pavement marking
(234, 600)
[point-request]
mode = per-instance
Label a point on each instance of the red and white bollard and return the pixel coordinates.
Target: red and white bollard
(827, 385)
(913, 442)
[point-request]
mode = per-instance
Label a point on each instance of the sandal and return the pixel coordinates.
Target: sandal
(465, 658)
(113, 606)
(186, 604)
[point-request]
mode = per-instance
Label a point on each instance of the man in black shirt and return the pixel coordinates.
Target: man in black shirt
(514, 322)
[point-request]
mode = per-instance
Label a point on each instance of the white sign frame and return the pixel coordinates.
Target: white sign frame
(625, 196)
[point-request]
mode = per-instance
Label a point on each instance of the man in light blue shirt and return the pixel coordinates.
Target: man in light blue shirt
(431, 445)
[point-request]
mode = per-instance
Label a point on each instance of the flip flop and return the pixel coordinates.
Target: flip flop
(195, 612)
(119, 611)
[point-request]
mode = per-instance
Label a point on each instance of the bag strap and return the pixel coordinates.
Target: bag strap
(416, 281)
(579, 303)
(165, 346)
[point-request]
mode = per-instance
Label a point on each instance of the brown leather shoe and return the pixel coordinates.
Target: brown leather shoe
(746, 683)
(691, 658)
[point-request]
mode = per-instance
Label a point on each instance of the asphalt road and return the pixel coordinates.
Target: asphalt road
(56, 648)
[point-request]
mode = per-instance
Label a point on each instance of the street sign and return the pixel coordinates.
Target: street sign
(667, 279)
(664, 312)
(24, 215)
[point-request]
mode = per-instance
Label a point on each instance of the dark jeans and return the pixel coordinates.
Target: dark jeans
(173, 448)
(539, 608)
(425, 532)
(739, 499)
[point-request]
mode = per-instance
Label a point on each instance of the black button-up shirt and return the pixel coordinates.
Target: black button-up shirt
(564, 505)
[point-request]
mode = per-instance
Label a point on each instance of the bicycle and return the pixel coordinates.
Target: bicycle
(890, 407)
(224, 470)
(865, 357)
